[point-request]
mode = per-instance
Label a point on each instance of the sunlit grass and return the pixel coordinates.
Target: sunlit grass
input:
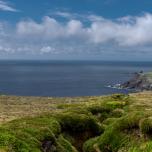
(115, 123)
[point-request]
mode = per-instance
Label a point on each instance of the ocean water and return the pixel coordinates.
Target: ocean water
(66, 78)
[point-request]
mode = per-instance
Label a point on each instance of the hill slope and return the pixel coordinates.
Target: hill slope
(89, 124)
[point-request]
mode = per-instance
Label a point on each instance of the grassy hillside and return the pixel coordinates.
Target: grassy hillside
(116, 123)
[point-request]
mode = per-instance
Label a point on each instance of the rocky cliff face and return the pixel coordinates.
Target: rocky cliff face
(140, 81)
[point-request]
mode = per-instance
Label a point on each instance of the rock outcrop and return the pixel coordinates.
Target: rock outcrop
(140, 81)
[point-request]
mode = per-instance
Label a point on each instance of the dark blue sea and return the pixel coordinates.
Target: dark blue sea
(66, 78)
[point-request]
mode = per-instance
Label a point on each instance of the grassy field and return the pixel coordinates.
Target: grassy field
(115, 123)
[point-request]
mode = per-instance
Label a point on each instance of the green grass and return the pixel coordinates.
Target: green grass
(146, 126)
(29, 133)
(116, 123)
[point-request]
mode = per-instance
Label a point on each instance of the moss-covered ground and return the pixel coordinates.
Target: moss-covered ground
(114, 123)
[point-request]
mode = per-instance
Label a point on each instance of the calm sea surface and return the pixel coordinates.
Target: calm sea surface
(65, 78)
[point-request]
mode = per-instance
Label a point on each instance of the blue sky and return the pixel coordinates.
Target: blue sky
(36, 9)
(76, 29)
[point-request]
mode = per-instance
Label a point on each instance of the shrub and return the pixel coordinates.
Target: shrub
(109, 103)
(146, 126)
(117, 112)
(76, 123)
(95, 109)
(129, 121)
(100, 111)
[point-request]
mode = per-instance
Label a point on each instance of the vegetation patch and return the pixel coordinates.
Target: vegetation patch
(116, 123)
(146, 126)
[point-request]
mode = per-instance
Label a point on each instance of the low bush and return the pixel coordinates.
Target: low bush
(129, 121)
(146, 126)
(75, 123)
(95, 109)
(117, 112)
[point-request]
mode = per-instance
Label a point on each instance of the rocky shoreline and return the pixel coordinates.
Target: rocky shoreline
(139, 82)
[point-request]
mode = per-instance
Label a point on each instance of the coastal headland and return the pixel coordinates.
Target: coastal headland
(140, 81)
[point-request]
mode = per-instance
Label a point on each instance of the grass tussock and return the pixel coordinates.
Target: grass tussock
(146, 126)
(116, 123)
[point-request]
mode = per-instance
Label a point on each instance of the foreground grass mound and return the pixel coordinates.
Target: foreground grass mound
(32, 134)
(116, 123)
(117, 135)
(79, 126)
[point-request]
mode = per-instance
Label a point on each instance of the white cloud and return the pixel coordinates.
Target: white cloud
(74, 36)
(47, 49)
(132, 31)
(48, 29)
(63, 14)
(68, 15)
(4, 6)
(124, 32)
(95, 18)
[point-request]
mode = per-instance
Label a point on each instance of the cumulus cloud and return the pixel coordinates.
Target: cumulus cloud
(125, 32)
(51, 36)
(50, 29)
(4, 6)
(47, 49)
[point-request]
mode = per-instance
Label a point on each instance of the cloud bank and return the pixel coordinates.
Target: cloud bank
(51, 36)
